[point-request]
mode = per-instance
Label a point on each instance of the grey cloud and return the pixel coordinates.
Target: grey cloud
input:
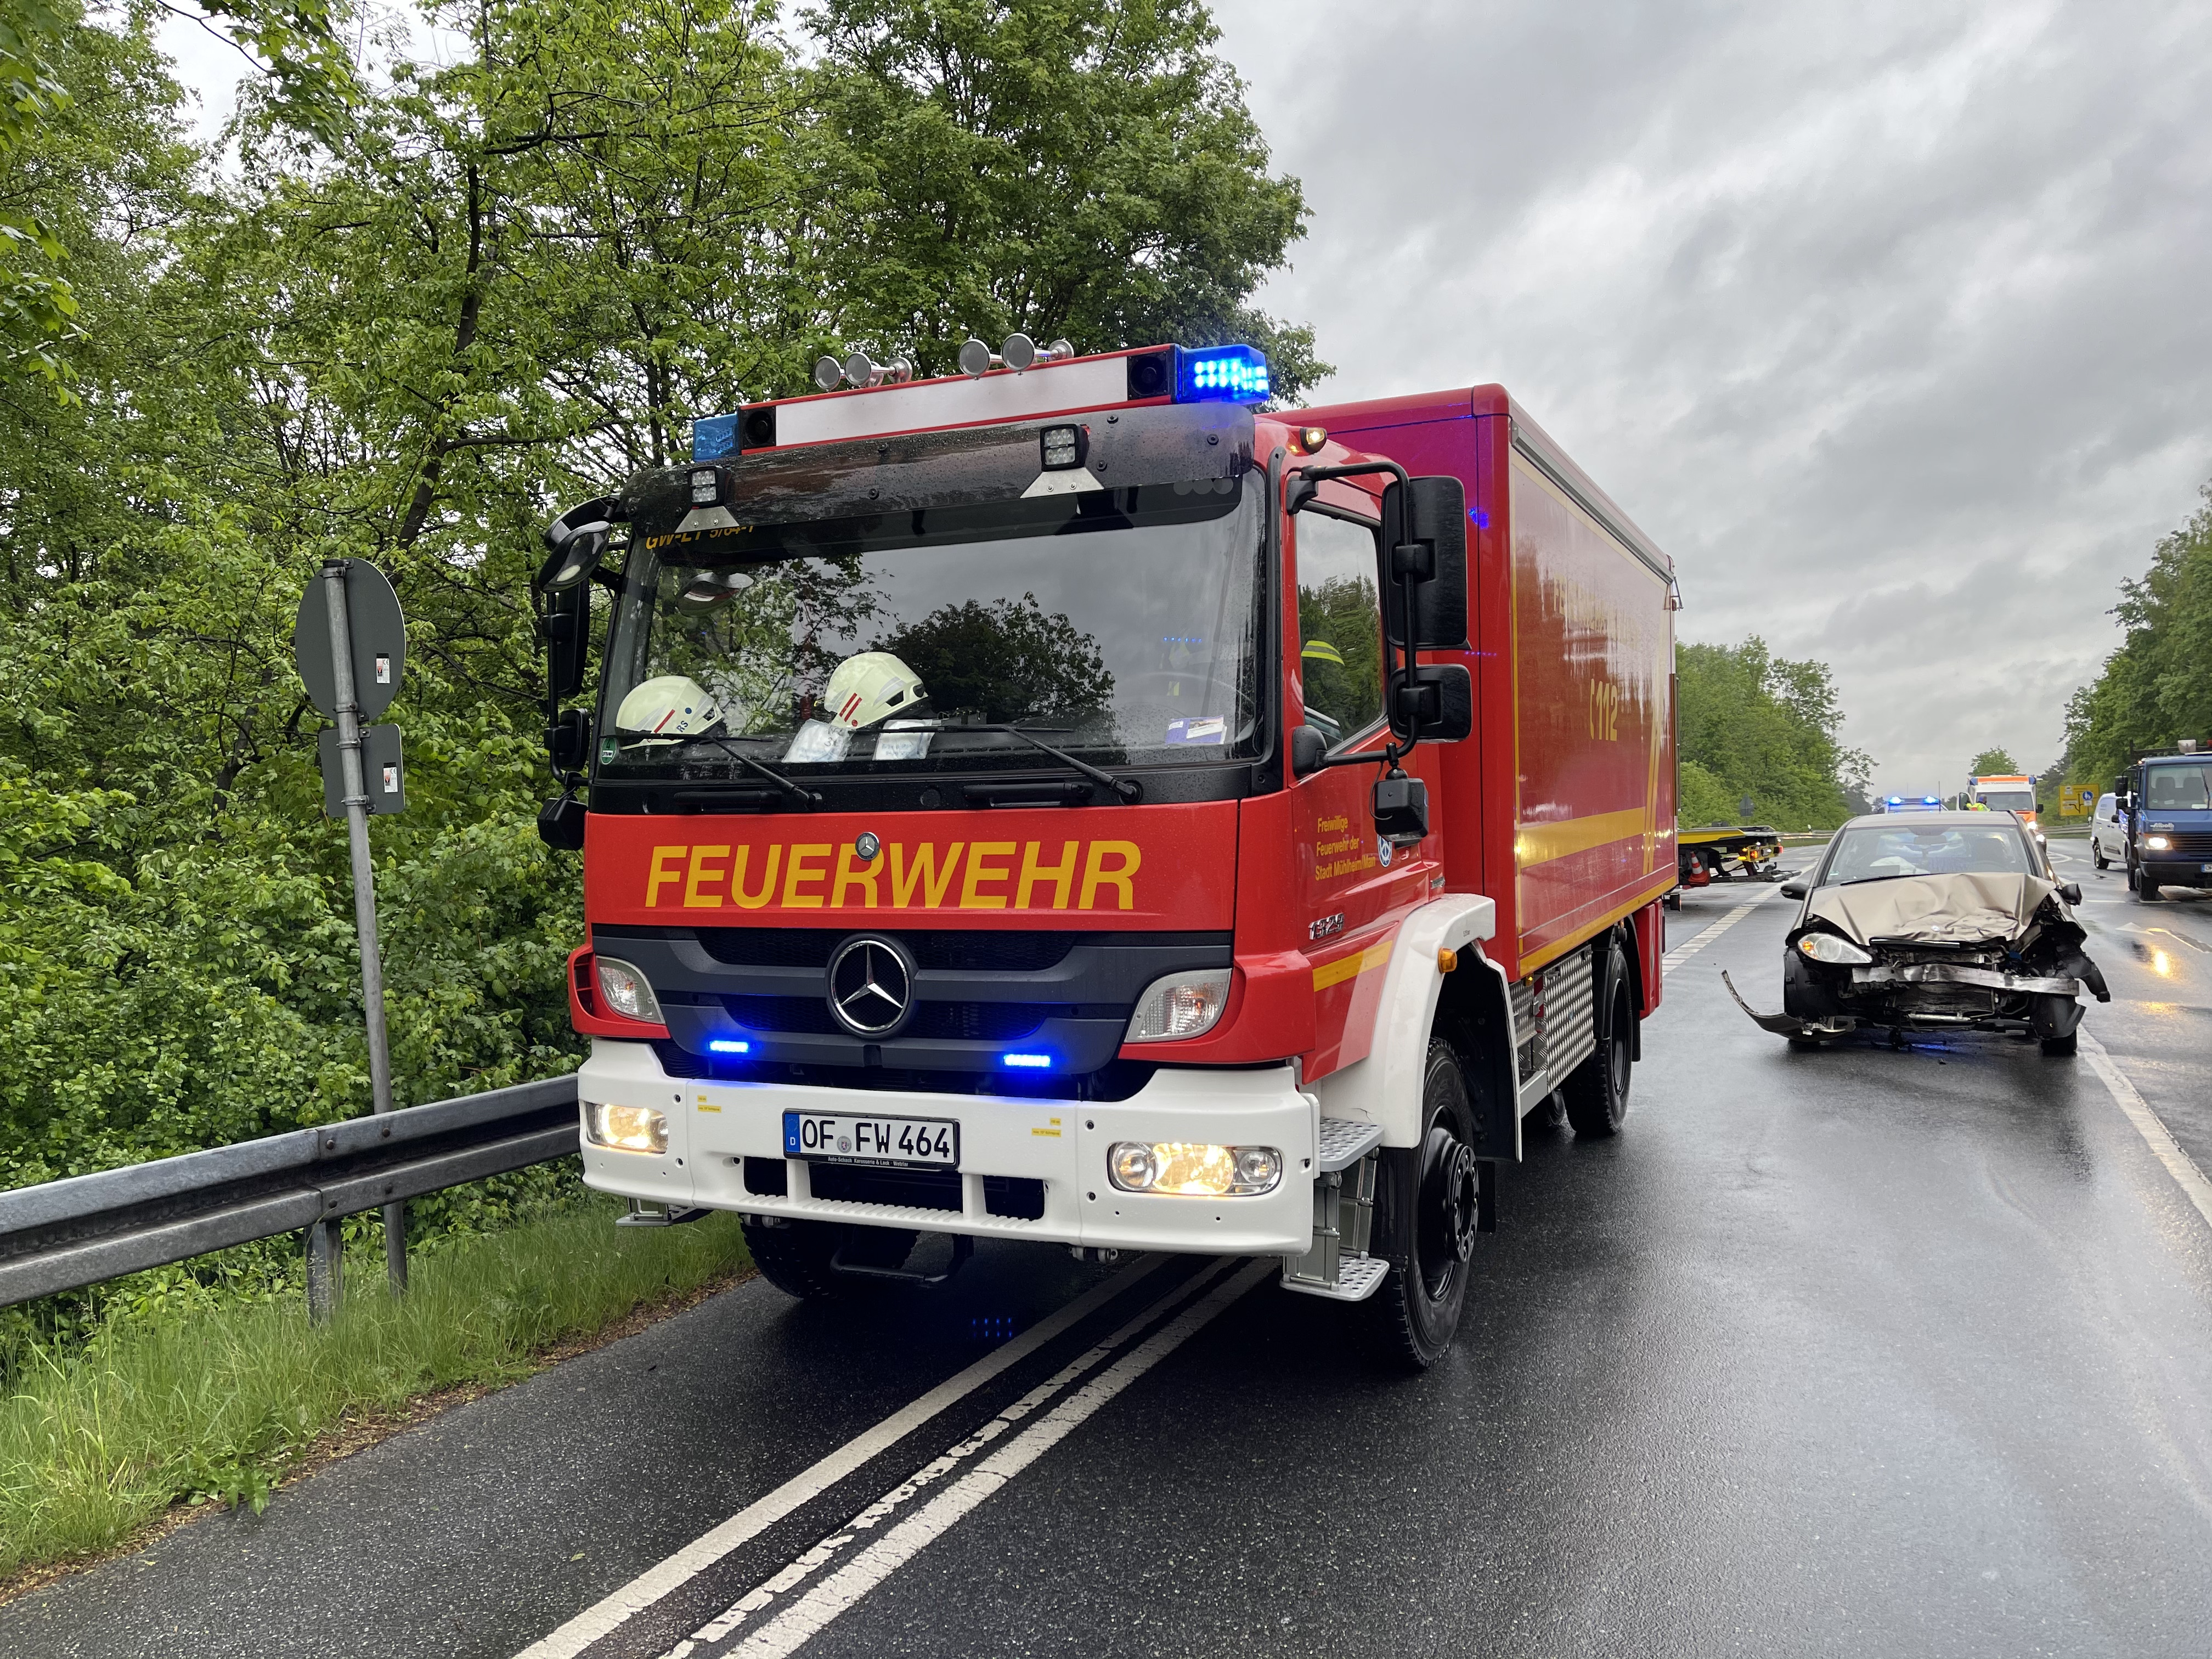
(1885, 319)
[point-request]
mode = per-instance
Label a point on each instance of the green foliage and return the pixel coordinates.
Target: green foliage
(213, 1405)
(1751, 724)
(1992, 763)
(1340, 628)
(1007, 660)
(2157, 688)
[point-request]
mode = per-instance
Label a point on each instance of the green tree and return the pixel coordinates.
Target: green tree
(1992, 763)
(2157, 688)
(1077, 167)
(1751, 723)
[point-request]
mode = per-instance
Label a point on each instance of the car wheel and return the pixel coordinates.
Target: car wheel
(796, 1258)
(1420, 1303)
(2097, 854)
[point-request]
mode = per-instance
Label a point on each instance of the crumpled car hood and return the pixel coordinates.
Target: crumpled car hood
(1952, 909)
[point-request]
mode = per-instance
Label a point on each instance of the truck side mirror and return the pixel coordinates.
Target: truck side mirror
(561, 823)
(1402, 808)
(1435, 704)
(569, 740)
(1307, 746)
(2041, 811)
(574, 544)
(1425, 539)
(567, 628)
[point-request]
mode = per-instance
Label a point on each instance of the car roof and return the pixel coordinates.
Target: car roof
(1936, 820)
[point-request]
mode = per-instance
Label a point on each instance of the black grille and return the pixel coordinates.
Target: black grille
(768, 1177)
(1015, 950)
(679, 1061)
(1117, 1079)
(977, 1022)
(2193, 846)
(916, 1189)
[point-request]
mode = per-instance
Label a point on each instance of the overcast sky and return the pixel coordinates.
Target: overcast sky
(1892, 323)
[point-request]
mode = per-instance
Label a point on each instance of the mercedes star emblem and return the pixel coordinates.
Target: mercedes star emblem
(871, 986)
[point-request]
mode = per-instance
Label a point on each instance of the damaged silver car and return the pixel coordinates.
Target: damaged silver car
(1940, 921)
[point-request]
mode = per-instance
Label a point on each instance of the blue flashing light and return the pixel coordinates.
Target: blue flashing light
(1929, 801)
(713, 436)
(1028, 1062)
(728, 1046)
(1897, 801)
(1221, 374)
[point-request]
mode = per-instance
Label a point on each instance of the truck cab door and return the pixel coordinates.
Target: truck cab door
(1354, 889)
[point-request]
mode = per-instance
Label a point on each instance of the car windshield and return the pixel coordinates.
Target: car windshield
(2177, 788)
(2008, 800)
(1121, 624)
(1875, 852)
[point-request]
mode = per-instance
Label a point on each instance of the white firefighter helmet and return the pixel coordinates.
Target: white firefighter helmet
(869, 687)
(669, 707)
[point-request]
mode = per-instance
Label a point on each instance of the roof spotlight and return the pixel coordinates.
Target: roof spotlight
(828, 373)
(861, 370)
(977, 359)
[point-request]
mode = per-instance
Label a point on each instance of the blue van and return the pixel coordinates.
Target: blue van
(2166, 805)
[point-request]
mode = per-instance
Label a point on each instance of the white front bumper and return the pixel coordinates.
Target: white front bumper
(712, 1127)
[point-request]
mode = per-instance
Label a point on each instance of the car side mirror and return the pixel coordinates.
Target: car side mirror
(1425, 546)
(1307, 746)
(1795, 890)
(2070, 892)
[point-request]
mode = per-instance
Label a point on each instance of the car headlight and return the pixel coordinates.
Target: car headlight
(1832, 948)
(1187, 1167)
(626, 1128)
(2157, 843)
(1186, 1005)
(627, 990)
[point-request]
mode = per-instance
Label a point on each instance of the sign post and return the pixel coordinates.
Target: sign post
(351, 642)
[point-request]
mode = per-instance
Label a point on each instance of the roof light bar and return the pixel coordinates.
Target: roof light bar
(1225, 374)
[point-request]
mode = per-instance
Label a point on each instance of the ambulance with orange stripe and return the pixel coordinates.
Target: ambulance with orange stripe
(1066, 802)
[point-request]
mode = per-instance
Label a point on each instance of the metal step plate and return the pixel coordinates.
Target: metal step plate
(1344, 1141)
(1358, 1277)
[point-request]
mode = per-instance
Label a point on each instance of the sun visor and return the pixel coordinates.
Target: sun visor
(969, 466)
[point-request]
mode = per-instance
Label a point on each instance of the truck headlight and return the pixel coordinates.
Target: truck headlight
(626, 1128)
(1186, 1005)
(1187, 1167)
(627, 990)
(2157, 843)
(1832, 948)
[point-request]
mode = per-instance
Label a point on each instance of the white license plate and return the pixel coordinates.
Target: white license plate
(899, 1143)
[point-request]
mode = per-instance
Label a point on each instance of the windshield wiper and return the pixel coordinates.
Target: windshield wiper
(1125, 789)
(803, 796)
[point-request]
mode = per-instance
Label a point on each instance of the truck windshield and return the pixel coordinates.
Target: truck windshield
(2177, 788)
(1872, 853)
(2008, 800)
(1120, 623)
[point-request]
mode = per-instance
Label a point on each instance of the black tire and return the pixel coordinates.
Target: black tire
(2145, 883)
(1420, 1305)
(2062, 1048)
(2097, 854)
(795, 1257)
(1597, 1091)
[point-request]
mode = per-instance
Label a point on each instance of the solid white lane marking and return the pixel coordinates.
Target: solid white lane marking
(2147, 1124)
(812, 1612)
(1690, 947)
(803, 1567)
(702, 1552)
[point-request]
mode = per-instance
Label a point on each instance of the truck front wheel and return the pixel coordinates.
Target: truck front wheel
(1420, 1303)
(1597, 1090)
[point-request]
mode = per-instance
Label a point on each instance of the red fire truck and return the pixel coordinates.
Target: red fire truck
(1059, 802)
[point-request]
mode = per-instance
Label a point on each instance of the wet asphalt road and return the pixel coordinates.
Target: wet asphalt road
(1859, 1351)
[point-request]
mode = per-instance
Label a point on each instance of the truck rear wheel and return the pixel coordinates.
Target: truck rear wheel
(1420, 1303)
(795, 1257)
(1597, 1091)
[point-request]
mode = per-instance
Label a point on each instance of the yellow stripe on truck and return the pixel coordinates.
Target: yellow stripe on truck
(1540, 843)
(1351, 967)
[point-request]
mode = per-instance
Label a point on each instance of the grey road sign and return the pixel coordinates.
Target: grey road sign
(379, 642)
(384, 776)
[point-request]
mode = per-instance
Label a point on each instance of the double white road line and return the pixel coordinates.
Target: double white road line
(1214, 1287)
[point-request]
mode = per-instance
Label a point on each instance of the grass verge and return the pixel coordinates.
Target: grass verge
(97, 1445)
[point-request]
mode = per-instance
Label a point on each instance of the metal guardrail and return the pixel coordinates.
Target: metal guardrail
(61, 1234)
